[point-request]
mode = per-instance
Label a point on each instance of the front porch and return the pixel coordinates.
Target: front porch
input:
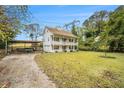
(60, 48)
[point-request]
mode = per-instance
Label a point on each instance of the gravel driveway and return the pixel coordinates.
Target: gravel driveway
(21, 71)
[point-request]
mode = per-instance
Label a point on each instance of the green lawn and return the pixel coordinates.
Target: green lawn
(83, 69)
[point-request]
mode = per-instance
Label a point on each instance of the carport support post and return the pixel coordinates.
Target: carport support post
(6, 47)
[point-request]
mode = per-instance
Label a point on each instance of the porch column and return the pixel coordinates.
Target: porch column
(53, 44)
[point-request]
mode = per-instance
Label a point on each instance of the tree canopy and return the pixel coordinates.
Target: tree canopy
(116, 32)
(105, 28)
(11, 20)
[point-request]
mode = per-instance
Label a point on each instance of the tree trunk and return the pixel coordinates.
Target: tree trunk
(105, 53)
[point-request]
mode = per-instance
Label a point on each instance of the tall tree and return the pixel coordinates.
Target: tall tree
(73, 30)
(116, 33)
(33, 30)
(95, 24)
(11, 20)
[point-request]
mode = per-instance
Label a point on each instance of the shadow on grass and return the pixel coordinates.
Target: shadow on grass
(108, 57)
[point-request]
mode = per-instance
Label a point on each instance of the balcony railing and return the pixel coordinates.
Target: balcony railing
(64, 43)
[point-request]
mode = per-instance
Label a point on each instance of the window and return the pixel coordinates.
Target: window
(52, 37)
(75, 40)
(56, 38)
(56, 47)
(48, 38)
(75, 47)
(70, 47)
(70, 40)
(46, 45)
(64, 39)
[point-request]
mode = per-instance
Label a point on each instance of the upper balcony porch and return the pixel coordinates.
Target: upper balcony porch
(64, 41)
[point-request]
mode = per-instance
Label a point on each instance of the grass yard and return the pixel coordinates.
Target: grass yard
(83, 69)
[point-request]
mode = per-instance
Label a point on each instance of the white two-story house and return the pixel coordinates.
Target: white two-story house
(57, 40)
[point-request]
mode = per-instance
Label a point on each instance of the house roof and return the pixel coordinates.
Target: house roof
(25, 41)
(60, 32)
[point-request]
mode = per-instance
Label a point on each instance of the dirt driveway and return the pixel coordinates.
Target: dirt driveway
(21, 71)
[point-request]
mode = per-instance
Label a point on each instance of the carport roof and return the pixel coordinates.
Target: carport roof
(25, 41)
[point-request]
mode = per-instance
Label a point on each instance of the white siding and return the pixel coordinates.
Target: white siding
(48, 43)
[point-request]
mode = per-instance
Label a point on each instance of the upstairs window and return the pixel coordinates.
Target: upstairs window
(64, 39)
(70, 40)
(56, 38)
(75, 40)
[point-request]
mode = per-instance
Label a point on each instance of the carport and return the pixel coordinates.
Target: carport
(24, 46)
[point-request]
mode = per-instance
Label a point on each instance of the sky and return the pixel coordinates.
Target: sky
(58, 15)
